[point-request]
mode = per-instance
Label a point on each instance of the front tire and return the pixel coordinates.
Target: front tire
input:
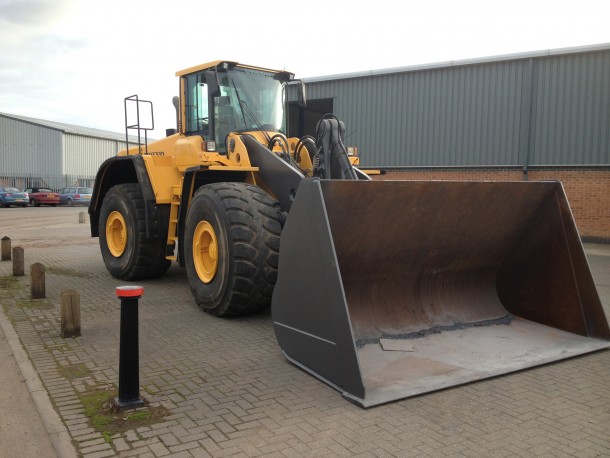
(126, 251)
(231, 248)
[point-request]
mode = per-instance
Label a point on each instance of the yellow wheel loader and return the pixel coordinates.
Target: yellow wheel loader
(382, 289)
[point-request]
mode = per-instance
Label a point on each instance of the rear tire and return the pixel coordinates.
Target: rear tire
(126, 251)
(242, 224)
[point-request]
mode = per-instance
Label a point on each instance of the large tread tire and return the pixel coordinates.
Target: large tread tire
(142, 258)
(247, 225)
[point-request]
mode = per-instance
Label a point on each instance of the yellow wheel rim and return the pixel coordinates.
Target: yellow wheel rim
(116, 234)
(205, 251)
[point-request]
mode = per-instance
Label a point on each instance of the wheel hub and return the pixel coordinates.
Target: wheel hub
(116, 234)
(205, 251)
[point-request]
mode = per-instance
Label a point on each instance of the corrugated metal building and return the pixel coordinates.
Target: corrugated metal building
(537, 115)
(538, 108)
(36, 152)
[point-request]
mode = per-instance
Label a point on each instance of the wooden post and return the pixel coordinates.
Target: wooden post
(37, 286)
(70, 313)
(6, 249)
(18, 259)
(81, 217)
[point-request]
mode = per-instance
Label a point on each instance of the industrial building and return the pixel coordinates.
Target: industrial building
(37, 152)
(530, 116)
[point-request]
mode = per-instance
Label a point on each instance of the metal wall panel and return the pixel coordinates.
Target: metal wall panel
(84, 155)
(29, 149)
(447, 117)
(551, 109)
(571, 121)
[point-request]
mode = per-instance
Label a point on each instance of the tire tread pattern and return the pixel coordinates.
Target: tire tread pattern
(149, 255)
(255, 229)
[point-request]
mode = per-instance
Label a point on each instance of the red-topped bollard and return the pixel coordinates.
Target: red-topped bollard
(129, 364)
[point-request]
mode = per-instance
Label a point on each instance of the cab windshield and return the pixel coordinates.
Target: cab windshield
(247, 100)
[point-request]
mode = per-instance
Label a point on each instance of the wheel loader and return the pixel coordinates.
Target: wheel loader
(381, 289)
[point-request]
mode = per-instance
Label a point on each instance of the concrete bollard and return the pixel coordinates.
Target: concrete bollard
(81, 217)
(5, 249)
(37, 287)
(70, 313)
(18, 262)
(129, 363)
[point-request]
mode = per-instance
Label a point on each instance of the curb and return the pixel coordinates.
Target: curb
(59, 435)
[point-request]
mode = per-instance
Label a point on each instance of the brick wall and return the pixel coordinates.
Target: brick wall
(588, 190)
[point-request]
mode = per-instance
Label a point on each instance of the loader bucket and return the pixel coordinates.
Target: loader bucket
(390, 289)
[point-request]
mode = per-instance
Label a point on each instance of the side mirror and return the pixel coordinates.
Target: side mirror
(176, 103)
(301, 94)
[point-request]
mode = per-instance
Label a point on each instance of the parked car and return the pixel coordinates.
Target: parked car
(12, 196)
(73, 195)
(43, 196)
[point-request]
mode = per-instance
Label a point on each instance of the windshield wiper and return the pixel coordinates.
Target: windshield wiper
(243, 115)
(259, 125)
(242, 105)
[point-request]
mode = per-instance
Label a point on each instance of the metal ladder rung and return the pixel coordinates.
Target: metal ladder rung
(172, 230)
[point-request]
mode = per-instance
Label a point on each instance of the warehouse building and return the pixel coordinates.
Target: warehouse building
(531, 116)
(36, 152)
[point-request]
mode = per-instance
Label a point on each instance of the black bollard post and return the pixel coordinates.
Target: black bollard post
(129, 364)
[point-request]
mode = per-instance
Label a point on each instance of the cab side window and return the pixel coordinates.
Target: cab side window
(196, 105)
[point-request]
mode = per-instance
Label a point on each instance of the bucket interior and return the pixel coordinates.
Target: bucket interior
(449, 281)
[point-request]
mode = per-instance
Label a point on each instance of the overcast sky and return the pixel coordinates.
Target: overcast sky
(74, 61)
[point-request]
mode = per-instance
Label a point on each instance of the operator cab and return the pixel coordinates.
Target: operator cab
(224, 97)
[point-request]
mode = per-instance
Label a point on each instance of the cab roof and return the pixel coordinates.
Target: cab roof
(216, 63)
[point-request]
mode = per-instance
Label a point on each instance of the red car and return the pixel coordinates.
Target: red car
(43, 196)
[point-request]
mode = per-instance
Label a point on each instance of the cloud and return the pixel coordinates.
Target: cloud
(37, 54)
(34, 60)
(29, 29)
(29, 13)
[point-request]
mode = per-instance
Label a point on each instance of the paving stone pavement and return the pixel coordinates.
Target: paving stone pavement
(230, 392)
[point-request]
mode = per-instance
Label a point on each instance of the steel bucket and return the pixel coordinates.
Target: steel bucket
(390, 289)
